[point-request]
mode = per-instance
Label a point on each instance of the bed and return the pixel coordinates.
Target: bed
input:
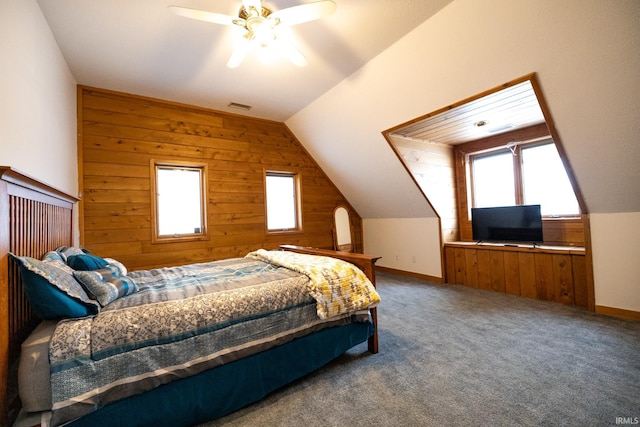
(240, 328)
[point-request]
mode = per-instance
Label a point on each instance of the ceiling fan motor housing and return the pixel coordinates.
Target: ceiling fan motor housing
(260, 28)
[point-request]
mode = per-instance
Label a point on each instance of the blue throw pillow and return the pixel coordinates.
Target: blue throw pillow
(52, 292)
(86, 262)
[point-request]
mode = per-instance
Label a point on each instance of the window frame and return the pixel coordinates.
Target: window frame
(156, 237)
(297, 180)
(516, 150)
(470, 157)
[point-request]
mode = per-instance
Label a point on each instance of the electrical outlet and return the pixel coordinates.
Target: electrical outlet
(413, 259)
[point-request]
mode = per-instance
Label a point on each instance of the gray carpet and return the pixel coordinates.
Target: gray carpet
(456, 356)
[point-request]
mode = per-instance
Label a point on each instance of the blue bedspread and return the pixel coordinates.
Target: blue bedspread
(182, 321)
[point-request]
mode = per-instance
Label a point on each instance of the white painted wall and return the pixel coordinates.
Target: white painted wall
(407, 244)
(587, 57)
(616, 259)
(37, 99)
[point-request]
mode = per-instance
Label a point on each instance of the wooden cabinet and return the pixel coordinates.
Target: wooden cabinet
(551, 273)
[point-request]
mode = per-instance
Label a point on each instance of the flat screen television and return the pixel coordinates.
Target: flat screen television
(507, 224)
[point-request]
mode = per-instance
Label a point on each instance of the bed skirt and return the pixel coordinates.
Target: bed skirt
(227, 388)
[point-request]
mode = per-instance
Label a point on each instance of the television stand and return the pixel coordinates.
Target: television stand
(551, 273)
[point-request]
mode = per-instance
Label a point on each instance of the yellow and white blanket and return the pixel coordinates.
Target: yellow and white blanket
(337, 286)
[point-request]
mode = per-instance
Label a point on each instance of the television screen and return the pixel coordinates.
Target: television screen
(507, 224)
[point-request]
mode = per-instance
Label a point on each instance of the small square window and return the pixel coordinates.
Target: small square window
(179, 201)
(283, 201)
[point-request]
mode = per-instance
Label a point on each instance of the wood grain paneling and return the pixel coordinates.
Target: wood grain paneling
(526, 267)
(547, 273)
(511, 273)
(580, 284)
(545, 288)
(450, 267)
(496, 258)
(121, 133)
(471, 265)
(484, 270)
(460, 264)
(431, 166)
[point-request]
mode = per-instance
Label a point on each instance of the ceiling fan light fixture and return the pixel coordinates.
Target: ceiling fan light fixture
(261, 31)
(266, 55)
(261, 26)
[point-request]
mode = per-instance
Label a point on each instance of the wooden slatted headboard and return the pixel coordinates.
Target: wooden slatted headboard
(34, 219)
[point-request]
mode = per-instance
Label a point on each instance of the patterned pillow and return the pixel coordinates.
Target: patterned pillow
(52, 256)
(52, 292)
(106, 284)
(120, 266)
(56, 259)
(67, 251)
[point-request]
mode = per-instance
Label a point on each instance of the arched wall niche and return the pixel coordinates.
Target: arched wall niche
(342, 229)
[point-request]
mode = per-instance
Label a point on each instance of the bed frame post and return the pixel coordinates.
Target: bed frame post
(366, 263)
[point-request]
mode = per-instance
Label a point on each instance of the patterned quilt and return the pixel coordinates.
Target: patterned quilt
(337, 286)
(182, 321)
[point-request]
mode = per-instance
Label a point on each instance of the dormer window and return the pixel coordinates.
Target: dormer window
(522, 174)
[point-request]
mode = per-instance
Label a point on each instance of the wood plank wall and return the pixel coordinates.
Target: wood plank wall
(432, 167)
(550, 275)
(119, 135)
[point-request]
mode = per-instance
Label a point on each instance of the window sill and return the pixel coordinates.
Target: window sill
(177, 239)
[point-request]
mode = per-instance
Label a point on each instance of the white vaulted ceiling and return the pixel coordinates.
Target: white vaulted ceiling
(140, 47)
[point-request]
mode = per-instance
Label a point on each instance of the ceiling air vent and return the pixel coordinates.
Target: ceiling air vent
(239, 106)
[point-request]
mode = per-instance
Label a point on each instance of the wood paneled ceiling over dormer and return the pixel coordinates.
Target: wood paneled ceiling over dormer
(513, 108)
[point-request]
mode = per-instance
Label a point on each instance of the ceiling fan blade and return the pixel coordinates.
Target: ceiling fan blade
(201, 15)
(290, 52)
(304, 13)
(239, 53)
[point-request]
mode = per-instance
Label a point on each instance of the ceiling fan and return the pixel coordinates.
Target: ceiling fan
(262, 26)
